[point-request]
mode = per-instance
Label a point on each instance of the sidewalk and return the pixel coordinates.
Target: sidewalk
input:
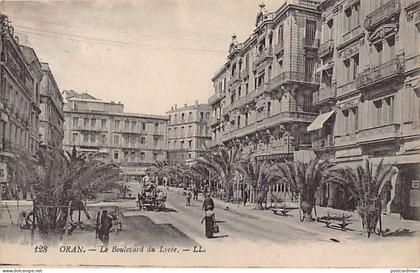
(392, 225)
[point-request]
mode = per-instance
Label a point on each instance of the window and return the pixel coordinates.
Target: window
(127, 125)
(103, 139)
(280, 35)
(155, 155)
(86, 122)
(189, 155)
(268, 108)
(346, 121)
(190, 130)
(117, 124)
(116, 140)
(74, 137)
(189, 143)
(156, 127)
(190, 116)
(93, 122)
(116, 155)
(378, 112)
(379, 52)
(182, 117)
(155, 141)
(347, 71)
(143, 126)
(310, 31)
(85, 138)
(92, 138)
(142, 140)
(201, 116)
(355, 114)
(309, 68)
(328, 30)
(389, 102)
(142, 155)
(355, 60)
(133, 126)
(239, 122)
(169, 132)
(75, 122)
(169, 117)
(103, 123)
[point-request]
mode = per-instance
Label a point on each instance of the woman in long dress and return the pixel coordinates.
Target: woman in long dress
(208, 207)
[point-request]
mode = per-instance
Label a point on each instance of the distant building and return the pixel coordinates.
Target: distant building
(52, 118)
(20, 73)
(134, 141)
(188, 131)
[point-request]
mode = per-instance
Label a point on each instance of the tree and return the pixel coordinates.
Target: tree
(368, 187)
(223, 161)
(304, 179)
(259, 175)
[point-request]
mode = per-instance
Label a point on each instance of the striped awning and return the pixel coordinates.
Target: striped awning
(319, 121)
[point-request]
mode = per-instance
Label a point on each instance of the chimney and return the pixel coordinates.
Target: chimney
(176, 106)
(196, 103)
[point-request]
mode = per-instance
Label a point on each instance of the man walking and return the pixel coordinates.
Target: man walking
(195, 192)
(104, 224)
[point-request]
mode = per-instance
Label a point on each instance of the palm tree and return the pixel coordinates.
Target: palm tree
(367, 187)
(222, 161)
(259, 175)
(304, 179)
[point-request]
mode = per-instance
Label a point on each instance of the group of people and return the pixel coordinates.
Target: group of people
(191, 192)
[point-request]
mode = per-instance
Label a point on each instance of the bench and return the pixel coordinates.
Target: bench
(335, 221)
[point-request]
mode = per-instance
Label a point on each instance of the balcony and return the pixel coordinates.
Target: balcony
(266, 54)
(375, 74)
(214, 121)
(246, 130)
(291, 76)
(323, 142)
(248, 98)
(287, 117)
(383, 132)
(235, 78)
(356, 32)
(215, 98)
(324, 94)
(310, 42)
(228, 108)
(279, 49)
(326, 48)
(382, 14)
(346, 89)
(347, 139)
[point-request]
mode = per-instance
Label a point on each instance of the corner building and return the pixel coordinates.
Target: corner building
(263, 93)
(368, 98)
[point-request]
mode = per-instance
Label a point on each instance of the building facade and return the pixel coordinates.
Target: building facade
(339, 80)
(188, 131)
(263, 93)
(20, 75)
(368, 98)
(134, 141)
(52, 117)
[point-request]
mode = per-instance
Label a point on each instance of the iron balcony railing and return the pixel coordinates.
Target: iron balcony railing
(311, 42)
(247, 98)
(352, 33)
(267, 53)
(215, 98)
(323, 142)
(373, 74)
(326, 48)
(324, 93)
(379, 132)
(291, 76)
(382, 14)
(279, 48)
(235, 78)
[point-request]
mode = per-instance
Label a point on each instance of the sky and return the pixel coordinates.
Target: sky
(146, 54)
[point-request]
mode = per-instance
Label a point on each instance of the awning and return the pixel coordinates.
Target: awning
(319, 121)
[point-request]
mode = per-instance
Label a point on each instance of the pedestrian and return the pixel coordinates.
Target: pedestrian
(209, 217)
(195, 191)
(104, 224)
(188, 194)
(245, 196)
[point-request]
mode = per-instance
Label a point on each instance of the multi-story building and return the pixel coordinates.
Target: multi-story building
(188, 131)
(263, 93)
(368, 98)
(52, 118)
(19, 98)
(134, 141)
